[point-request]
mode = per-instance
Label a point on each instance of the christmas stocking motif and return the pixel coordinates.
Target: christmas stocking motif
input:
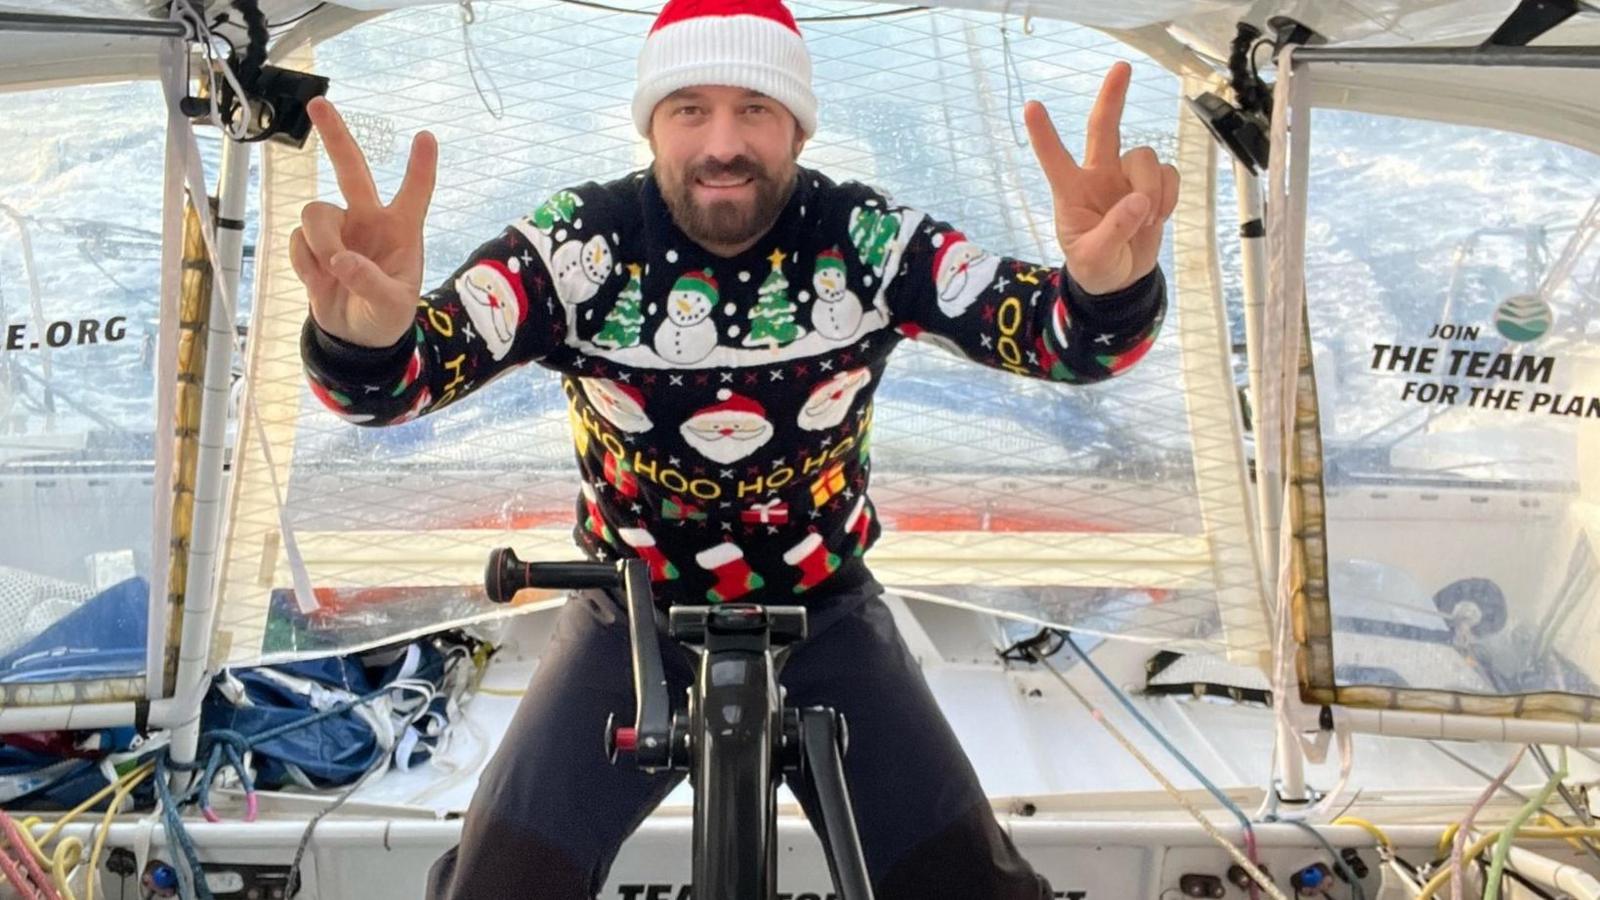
(734, 576)
(619, 474)
(595, 523)
(858, 523)
(644, 544)
(813, 560)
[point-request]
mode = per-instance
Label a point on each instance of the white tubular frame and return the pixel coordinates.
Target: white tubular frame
(200, 593)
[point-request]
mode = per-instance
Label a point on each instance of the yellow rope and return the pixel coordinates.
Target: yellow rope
(502, 692)
(1442, 877)
(63, 862)
(128, 785)
(1368, 827)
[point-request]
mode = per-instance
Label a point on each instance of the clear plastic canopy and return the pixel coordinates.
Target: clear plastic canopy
(1096, 507)
(1456, 347)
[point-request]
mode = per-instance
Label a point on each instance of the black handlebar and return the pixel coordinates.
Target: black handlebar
(506, 575)
(651, 738)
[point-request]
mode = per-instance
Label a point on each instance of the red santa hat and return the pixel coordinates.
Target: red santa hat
(951, 239)
(752, 44)
(629, 391)
(513, 280)
(733, 404)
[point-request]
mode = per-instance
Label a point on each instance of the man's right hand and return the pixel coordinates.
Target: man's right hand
(362, 264)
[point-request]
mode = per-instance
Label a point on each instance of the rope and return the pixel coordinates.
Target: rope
(1458, 840)
(68, 853)
(1502, 847)
(1368, 827)
(469, 17)
(1127, 704)
(1013, 82)
(130, 783)
(1247, 862)
(1431, 889)
(226, 748)
(28, 878)
(1339, 865)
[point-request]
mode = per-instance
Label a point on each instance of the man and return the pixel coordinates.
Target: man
(721, 322)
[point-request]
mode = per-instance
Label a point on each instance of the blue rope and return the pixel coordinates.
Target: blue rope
(1338, 862)
(222, 747)
(1127, 704)
(177, 835)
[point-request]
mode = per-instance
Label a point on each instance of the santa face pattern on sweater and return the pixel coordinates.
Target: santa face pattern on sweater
(962, 271)
(828, 402)
(621, 405)
(492, 294)
(730, 430)
(721, 408)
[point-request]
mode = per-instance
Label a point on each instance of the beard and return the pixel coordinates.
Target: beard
(725, 222)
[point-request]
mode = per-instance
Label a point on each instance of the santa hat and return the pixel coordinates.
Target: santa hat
(951, 239)
(733, 404)
(626, 390)
(514, 280)
(830, 259)
(698, 281)
(752, 44)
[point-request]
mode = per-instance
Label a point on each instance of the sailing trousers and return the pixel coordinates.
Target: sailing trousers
(551, 812)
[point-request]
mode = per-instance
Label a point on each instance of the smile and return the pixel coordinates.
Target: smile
(723, 185)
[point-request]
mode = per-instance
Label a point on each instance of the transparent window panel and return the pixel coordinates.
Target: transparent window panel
(1454, 285)
(926, 105)
(82, 222)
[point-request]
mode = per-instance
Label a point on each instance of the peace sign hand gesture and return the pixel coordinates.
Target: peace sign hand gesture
(362, 265)
(1110, 210)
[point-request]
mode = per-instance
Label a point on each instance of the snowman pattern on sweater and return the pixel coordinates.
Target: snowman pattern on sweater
(838, 312)
(721, 408)
(689, 335)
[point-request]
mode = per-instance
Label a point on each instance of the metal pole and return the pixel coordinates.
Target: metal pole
(1458, 727)
(1291, 765)
(200, 596)
(1253, 265)
(1269, 494)
(42, 24)
(1554, 57)
(74, 716)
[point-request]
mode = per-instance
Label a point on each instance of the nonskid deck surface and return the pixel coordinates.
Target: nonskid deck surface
(1027, 737)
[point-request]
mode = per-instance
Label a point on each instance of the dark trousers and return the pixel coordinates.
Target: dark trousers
(551, 813)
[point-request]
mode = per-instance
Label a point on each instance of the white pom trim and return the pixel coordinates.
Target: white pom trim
(718, 556)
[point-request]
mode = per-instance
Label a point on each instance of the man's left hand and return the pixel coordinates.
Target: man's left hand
(1111, 210)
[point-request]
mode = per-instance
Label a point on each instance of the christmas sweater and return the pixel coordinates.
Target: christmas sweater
(721, 408)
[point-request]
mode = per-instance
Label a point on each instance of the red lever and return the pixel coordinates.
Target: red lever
(627, 739)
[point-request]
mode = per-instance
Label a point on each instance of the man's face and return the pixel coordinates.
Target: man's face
(725, 161)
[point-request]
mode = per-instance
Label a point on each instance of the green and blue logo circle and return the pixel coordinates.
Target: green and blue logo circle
(1523, 317)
